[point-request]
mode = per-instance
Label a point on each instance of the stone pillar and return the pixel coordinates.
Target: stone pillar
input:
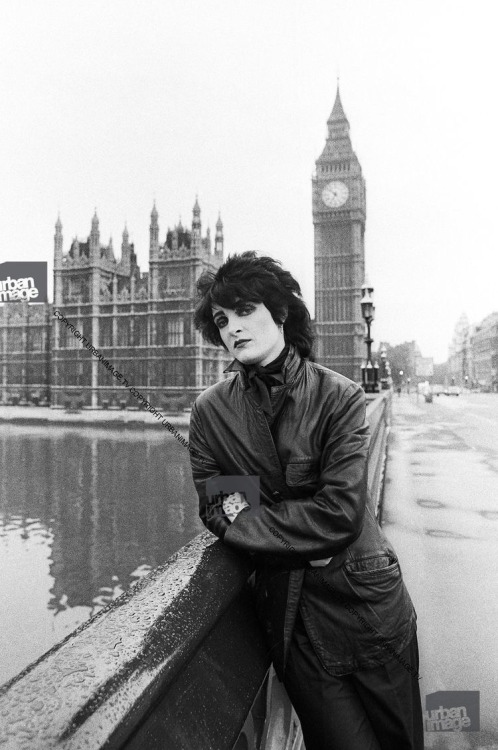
(95, 335)
(4, 365)
(114, 310)
(24, 349)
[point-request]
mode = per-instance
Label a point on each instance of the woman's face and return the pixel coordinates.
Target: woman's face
(249, 332)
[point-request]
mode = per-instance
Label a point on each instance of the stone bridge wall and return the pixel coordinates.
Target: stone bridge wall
(176, 662)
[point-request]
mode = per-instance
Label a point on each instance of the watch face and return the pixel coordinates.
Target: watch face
(335, 194)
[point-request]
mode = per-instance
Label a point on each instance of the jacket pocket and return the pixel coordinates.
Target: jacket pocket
(376, 569)
(301, 473)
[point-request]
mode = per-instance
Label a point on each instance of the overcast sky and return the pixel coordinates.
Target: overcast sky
(114, 104)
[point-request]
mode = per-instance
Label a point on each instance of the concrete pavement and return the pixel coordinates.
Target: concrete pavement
(441, 514)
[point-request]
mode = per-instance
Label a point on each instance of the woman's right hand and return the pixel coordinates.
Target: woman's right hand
(233, 504)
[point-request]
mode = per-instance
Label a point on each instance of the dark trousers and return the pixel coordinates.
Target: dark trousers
(373, 709)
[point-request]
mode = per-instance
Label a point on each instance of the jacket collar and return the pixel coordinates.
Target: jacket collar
(289, 369)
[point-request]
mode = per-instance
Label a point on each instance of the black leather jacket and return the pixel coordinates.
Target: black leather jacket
(314, 504)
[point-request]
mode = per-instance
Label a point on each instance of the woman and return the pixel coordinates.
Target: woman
(339, 621)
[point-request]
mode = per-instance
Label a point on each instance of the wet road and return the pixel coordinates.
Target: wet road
(441, 514)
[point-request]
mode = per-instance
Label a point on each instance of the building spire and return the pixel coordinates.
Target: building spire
(95, 240)
(196, 218)
(337, 110)
(125, 249)
(58, 242)
(218, 239)
(196, 226)
(154, 234)
(110, 250)
(338, 124)
(94, 232)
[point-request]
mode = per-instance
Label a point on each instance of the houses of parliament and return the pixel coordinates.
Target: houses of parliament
(142, 322)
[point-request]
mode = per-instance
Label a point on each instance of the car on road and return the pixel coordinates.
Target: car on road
(452, 390)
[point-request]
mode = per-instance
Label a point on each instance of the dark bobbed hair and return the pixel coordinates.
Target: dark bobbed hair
(249, 278)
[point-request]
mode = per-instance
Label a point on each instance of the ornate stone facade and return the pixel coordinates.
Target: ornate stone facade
(339, 213)
(25, 346)
(140, 322)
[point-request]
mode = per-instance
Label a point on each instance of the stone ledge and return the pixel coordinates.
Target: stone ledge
(96, 686)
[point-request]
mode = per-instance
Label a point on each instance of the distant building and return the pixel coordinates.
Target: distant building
(141, 322)
(460, 365)
(484, 345)
(339, 213)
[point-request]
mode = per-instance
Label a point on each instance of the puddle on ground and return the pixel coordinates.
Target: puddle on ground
(443, 534)
(491, 515)
(430, 503)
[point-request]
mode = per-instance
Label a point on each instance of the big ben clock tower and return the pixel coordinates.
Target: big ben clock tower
(339, 213)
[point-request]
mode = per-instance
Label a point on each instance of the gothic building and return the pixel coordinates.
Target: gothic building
(142, 323)
(339, 212)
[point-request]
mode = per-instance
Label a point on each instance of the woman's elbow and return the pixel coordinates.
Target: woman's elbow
(353, 522)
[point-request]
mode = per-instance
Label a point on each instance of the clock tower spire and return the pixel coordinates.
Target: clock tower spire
(339, 212)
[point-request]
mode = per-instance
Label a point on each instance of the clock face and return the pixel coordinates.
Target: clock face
(335, 194)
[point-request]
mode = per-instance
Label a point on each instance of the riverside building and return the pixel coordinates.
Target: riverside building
(142, 323)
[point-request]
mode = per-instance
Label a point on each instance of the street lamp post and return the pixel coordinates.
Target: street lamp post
(369, 371)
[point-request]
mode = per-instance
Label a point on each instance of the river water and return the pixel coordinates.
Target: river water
(84, 513)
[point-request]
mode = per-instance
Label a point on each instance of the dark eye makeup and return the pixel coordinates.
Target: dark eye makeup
(242, 308)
